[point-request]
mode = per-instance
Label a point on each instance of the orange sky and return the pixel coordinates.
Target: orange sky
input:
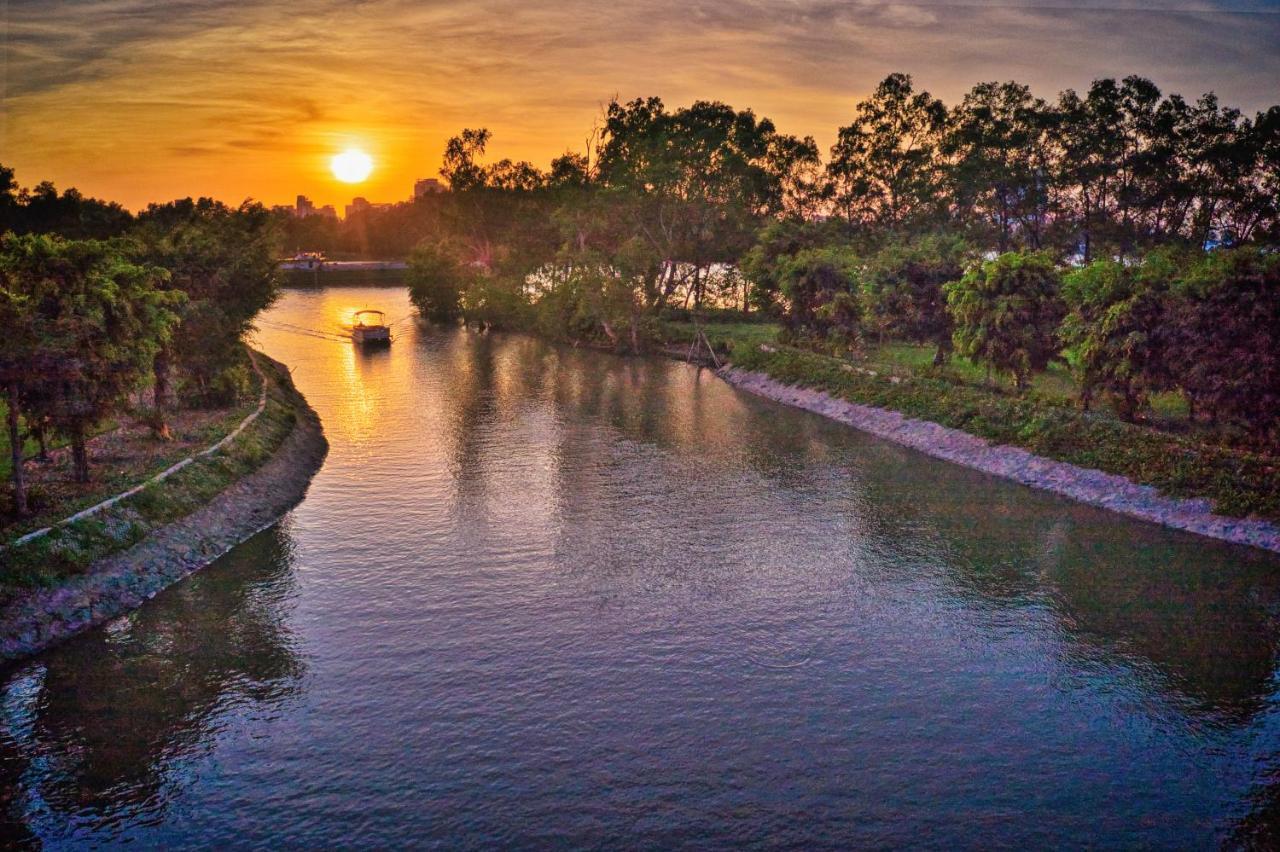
(139, 100)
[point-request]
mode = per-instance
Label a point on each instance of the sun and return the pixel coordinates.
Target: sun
(351, 166)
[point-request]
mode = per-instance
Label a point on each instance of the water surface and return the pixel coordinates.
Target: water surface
(540, 596)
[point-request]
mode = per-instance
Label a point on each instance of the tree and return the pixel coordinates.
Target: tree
(824, 308)
(1006, 313)
(223, 259)
(884, 168)
(903, 286)
(1115, 330)
(43, 210)
(778, 241)
(998, 162)
(17, 366)
(1226, 343)
(437, 280)
(696, 183)
(97, 319)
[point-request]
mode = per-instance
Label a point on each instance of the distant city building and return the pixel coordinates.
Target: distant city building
(305, 208)
(361, 205)
(426, 186)
(358, 205)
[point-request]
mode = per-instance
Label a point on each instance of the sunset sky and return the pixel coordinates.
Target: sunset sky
(139, 100)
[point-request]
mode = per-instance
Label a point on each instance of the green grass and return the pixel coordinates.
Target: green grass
(904, 359)
(722, 335)
(1167, 411)
(69, 550)
(1238, 483)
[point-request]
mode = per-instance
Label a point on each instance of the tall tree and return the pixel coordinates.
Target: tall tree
(223, 260)
(698, 181)
(885, 168)
(998, 163)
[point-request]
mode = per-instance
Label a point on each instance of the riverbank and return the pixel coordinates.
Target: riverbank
(97, 568)
(1187, 487)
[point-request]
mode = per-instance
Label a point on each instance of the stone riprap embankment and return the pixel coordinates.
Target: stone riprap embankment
(121, 582)
(1093, 487)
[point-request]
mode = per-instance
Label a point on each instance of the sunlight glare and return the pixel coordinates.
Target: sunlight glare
(351, 166)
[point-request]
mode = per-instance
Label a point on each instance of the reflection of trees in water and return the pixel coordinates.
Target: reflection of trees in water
(470, 401)
(106, 717)
(1195, 621)
(1203, 614)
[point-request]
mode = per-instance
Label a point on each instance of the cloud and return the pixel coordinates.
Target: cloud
(128, 98)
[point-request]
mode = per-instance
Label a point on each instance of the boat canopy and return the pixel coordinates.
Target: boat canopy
(379, 316)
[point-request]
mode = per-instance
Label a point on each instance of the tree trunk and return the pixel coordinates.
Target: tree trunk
(79, 455)
(943, 351)
(15, 453)
(41, 433)
(160, 399)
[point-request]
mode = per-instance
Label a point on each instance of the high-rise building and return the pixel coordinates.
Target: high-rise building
(358, 205)
(425, 186)
(361, 205)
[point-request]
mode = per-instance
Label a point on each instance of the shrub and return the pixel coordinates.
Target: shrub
(825, 309)
(903, 286)
(1114, 331)
(1226, 338)
(1006, 313)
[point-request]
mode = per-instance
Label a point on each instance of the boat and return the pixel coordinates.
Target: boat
(313, 260)
(370, 328)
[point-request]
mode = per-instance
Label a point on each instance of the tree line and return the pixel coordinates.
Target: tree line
(1203, 324)
(106, 314)
(1124, 231)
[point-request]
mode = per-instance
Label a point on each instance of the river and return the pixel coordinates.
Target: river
(541, 596)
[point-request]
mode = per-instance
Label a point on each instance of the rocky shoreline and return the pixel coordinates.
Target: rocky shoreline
(1093, 487)
(121, 582)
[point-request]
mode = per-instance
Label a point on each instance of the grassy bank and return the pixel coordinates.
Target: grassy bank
(71, 549)
(1237, 483)
(899, 358)
(123, 453)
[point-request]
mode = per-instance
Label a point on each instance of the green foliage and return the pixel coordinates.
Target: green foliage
(437, 279)
(223, 260)
(92, 322)
(1226, 342)
(1115, 331)
(776, 242)
(820, 287)
(493, 301)
(903, 286)
(1006, 313)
